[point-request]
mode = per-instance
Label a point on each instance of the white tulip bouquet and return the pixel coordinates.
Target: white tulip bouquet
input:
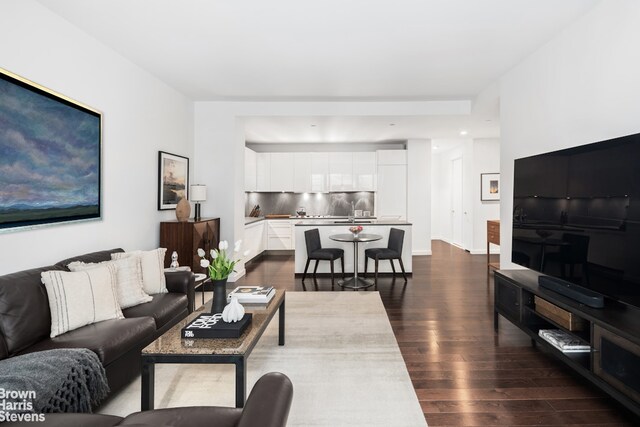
(221, 265)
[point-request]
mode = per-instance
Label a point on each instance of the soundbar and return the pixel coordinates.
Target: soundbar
(575, 292)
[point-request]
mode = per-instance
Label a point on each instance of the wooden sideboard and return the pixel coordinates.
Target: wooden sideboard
(493, 236)
(186, 237)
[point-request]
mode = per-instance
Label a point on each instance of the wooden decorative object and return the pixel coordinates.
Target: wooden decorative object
(183, 210)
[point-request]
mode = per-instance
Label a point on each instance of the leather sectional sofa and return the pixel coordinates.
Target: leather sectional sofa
(25, 320)
(267, 406)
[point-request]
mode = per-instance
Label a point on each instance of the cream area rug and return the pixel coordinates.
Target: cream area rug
(340, 354)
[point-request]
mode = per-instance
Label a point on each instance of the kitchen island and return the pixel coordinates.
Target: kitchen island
(328, 228)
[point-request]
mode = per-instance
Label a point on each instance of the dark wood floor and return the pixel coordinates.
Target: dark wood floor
(465, 374)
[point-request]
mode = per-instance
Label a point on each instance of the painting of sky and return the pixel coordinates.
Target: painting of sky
(49, 151)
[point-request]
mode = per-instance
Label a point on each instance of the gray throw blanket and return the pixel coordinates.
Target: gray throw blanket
(61, 380)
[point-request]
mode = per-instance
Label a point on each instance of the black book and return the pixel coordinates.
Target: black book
(212, 326)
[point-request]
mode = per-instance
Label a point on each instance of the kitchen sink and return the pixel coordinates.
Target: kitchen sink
(344, 221)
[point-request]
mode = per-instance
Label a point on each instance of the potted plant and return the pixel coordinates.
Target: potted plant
(219, 267)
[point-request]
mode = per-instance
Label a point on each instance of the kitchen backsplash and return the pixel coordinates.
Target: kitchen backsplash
(337, 204)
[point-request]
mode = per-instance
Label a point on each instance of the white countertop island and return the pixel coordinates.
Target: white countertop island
(328, 228)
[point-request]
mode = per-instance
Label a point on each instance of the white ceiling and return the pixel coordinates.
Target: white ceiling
(327, 50)
(331, 129)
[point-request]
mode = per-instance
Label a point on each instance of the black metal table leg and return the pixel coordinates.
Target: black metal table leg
(241, 381)
(281, 324)
(148, 379)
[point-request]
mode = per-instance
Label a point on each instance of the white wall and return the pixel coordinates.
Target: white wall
(141, 115)
(581, 87)
(419, 194)
(486, 159)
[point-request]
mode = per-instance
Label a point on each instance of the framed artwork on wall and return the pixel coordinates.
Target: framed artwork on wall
(489, 186)
(50, 162)
(173, 180)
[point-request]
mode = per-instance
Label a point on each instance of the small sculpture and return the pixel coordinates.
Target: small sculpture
(174, 261)
(233, 312)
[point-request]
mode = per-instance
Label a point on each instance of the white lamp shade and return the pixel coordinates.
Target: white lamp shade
(198, 193)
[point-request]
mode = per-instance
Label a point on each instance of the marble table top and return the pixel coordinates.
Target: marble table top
(171, 342)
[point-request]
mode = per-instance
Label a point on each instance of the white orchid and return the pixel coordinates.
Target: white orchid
(204, 263)
(201, 253)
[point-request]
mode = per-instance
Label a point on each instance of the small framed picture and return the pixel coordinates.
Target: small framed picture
(173, 180)
(489, 186)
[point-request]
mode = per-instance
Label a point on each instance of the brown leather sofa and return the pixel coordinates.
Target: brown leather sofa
(25, 320)
(267, 406)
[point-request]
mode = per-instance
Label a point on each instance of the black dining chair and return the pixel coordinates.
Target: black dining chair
(391, 252)
(316, 252)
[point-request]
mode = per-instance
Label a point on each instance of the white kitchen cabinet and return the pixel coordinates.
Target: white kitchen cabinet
(279, 235)
(302, 172)
(319, 172)
(282, 171)
(249, 169)
(391, 195)
(254, 239)
(364, 171)
(263, 171)
(341, 171)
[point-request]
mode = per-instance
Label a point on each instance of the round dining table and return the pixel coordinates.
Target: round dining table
(355, 282)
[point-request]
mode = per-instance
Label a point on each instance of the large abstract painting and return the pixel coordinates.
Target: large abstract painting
(49, 156)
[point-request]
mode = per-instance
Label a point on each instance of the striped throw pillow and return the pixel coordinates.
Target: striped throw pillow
(81, 298)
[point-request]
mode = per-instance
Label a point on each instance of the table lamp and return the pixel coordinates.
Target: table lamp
(198, 194)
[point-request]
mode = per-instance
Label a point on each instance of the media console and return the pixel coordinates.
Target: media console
(612, 332)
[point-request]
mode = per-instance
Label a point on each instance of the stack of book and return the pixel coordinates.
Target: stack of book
(564, 341)
(252, 294)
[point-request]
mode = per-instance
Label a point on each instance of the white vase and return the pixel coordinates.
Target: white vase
(233, 312)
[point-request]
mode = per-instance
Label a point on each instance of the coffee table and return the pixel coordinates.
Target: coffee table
(171, 348)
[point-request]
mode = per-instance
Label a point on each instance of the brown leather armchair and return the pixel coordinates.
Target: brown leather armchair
(267, 406)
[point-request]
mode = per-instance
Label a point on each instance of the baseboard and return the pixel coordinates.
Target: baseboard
(483, 252)
(422, 252)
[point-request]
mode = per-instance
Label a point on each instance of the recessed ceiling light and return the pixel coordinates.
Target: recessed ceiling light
(463, 132)
(435, 147)
(392, 124)
(313, 126)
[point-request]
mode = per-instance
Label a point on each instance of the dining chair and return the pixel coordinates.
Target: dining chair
(391, 252)
(316, 252)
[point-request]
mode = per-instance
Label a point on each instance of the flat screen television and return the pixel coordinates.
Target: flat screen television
(576, 216)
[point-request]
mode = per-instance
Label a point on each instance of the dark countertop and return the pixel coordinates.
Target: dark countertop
(250, 220)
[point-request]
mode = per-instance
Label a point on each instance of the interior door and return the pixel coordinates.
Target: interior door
(456, 202)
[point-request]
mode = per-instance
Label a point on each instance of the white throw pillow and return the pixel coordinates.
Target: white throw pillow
(152, 262)
(128, 279)
(80, 298)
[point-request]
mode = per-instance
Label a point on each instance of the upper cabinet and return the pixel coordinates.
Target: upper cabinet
(364, 171)
(282, 171)
(312, 172)
(319, 172)
(341, 171)
(263, 171)
(302, 172)
(249, 170)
